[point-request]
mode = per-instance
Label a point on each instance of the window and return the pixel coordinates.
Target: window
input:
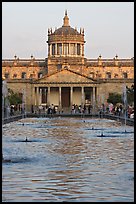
(92, 74)
(46, 70)
(14, 76)
(59, 49)
(31, 76)
(39, 75)
(125, 75)
(23, 75)
(53, 49)
(78, 49)
(72, 49)
(66, 51)
(59, 66)
(66, 67)
(6, 75)
(115, 75)
(108, 75)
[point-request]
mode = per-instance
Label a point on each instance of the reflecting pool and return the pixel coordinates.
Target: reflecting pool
(67, 159)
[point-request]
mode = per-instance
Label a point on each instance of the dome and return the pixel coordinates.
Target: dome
(66, 30)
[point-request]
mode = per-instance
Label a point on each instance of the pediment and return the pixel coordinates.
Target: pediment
(65, 76)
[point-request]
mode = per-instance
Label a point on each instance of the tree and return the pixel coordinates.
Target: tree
(114, 98)
(14, 98)
(130, 95)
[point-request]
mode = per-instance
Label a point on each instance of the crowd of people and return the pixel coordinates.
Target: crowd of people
(117, 109)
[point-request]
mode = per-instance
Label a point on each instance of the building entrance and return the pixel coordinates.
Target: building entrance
(65, 96)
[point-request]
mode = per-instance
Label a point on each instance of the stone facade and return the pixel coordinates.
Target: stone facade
(66, 77)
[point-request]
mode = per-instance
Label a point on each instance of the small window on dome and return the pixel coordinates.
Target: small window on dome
(66, 51)
(78, 49)
(59, 49)
(53, 49)
(72, 49)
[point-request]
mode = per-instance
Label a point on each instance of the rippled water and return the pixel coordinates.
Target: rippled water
(65, 159)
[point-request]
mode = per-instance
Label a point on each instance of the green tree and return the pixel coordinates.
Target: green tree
(14, 98)
(114, 98)
(130, 95)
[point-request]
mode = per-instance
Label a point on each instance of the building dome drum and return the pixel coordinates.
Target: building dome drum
(66, 41)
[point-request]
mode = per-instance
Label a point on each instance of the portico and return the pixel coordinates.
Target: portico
(64, 95)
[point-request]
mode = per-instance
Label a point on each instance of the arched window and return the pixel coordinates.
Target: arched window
(115, 75)
(7, 75)
(23, 75)
(40, 75)
(125, 75)
(14, 76)
(92, 74)
(108, 75)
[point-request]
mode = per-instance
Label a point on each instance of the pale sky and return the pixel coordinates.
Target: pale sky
(109, 27)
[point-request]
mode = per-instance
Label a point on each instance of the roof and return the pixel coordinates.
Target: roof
(66, 30)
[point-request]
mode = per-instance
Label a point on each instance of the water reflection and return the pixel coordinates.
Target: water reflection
(66, 161)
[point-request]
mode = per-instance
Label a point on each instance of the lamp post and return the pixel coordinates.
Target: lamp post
(23, 103)
(2, 103)
(4, 94)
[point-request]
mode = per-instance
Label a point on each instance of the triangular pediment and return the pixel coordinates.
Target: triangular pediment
(65, 76)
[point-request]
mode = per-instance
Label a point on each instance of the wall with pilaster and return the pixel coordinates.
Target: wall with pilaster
(105, 88)
(54, 96)
(77, 97)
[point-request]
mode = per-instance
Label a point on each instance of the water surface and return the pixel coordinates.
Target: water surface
(66, 159)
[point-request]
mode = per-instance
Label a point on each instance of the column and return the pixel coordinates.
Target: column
(55, 48)
(68, 48)
(93, 98)
(97, 96)
(81, 50)
(48, 97)
(37, 96)
(76, 49)
(45, 95)
(71, 96)
(82, 95)
(60, 97)
(62, 48)
(40, 96)
(33, 96)
(50, 49)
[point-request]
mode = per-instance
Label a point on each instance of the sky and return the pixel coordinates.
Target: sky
(108, 27)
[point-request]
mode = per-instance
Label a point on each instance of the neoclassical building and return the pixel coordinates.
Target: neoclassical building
(66, 77)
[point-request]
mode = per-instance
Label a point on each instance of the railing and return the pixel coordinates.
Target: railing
(129, 121)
